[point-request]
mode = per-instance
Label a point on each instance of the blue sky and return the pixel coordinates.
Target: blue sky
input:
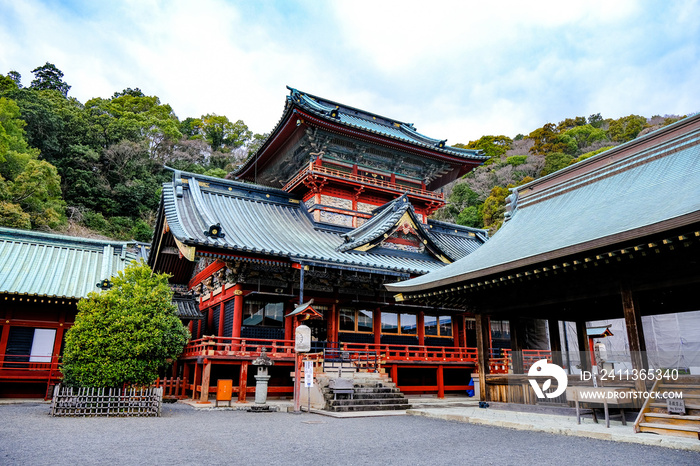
(457, 70)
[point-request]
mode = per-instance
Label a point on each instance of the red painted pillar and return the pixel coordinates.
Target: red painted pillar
(377, 324)
(222, 317)
(332, 322)
(197, 371)
(288, 323)
(237, 311)
(420, 323)
(189, 326)
(210, 321)
(185, 379)
(3, 340)
(58, 340)
(395, 374)
(243, 382)
(440, 382)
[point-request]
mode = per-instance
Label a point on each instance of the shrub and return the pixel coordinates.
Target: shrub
(125, 334)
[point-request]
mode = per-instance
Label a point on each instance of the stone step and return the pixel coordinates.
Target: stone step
(368, 402)
(348, 408)
(366, 396)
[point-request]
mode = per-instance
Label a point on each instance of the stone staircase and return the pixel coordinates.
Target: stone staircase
(654, 416)
(372, 391)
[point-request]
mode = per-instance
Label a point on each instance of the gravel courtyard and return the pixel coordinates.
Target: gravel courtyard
(28, 435)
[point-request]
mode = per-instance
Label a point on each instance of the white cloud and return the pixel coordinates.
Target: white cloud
(457, 70)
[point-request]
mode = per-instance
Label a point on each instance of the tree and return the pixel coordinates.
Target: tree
(493, 146)
(555, 161)
(49, 77)
(16, 77)
(545, 140)
(224, 135)
(626, 128)
(30, 192)
(124, 335)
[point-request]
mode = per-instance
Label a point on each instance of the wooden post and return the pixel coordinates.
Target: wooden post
(237, 311)
(243, 382)
(206, 374)
(222, 318)
(210, 320)
(440, 381)
(288, 323)
(483, 328)
(555, 342)
(516, 345)
(420, 323)
(395, 374)
(332, 321)
(635, 334)
(4, 338)
(377, 324)
(197, 372)
(583, 347)
(185, 379)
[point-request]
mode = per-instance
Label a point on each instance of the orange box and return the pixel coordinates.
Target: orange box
(224, 391)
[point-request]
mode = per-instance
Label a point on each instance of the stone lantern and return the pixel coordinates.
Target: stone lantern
(261, 378)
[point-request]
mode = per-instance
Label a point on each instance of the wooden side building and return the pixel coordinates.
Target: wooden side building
(42, 277)
(616, 235)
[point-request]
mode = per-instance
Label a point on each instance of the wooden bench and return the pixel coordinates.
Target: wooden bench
(600, 395)
(341, 386)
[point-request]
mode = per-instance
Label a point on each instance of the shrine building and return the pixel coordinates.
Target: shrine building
(42, 278)
(334, 204)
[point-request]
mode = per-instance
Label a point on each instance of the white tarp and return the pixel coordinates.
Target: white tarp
(672, 341)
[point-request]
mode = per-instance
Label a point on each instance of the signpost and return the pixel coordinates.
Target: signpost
(308, 381)
(302, 344)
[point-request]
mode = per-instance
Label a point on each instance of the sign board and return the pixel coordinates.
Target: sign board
(302, 339)
(675, 405)
(308, 373)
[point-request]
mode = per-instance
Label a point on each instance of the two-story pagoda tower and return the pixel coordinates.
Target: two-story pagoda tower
(334, 204)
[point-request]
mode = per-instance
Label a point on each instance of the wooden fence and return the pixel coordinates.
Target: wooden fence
(69, 401)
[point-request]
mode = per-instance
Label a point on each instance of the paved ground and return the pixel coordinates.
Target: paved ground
(184, 435)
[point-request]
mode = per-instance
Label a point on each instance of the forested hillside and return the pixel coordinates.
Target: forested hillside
(96, 168)
(478, 199)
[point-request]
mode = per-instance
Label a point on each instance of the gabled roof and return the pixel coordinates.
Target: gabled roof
(42, 264)
(385, 221)
(303, 109)
(187, 307)
(361, 119)
(646, 186)
(265, 222)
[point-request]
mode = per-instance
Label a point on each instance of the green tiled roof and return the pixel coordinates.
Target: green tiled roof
(43, 264)
(373, 123)
(640, 188)
(271, 222)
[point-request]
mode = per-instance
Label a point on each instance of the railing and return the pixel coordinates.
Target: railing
(362, 360)
(23, 363)
(500, 361)
(172, 387)
(414, 352)
(529, 357)
(246, 347)
(313, 169)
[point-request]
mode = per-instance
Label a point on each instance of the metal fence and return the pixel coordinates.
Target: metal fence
(70, 401)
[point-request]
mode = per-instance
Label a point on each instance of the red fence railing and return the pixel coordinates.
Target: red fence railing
(230, 346)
